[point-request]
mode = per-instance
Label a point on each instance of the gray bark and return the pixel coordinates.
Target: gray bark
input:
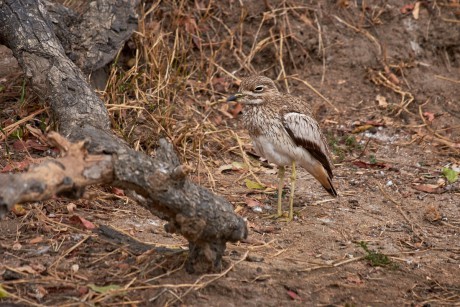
(206, 220)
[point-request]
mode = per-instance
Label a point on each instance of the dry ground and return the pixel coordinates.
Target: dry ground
(389, 73)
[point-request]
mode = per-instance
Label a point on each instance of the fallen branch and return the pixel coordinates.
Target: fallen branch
(95, 155)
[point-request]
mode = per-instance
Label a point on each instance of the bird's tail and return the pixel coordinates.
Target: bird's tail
(323, 177)
(330, 188)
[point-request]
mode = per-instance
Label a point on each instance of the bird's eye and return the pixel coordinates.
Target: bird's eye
(259, 88)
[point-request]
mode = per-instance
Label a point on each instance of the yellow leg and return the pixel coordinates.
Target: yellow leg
(291, 198)
(280, 189)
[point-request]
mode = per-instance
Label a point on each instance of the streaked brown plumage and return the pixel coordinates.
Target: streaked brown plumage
(284, 131)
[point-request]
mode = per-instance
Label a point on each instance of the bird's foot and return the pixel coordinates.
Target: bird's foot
(283, 217)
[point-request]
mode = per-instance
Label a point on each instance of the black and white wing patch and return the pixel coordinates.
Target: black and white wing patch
(306, 133)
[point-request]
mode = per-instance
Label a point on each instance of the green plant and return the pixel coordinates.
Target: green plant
(375, 258)
(372, 159)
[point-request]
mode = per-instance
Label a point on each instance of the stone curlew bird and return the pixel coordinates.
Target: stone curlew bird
(284, 131)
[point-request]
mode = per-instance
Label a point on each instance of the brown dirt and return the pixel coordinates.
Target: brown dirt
(351, 55)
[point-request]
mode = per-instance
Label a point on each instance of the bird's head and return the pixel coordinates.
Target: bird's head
(254, 90)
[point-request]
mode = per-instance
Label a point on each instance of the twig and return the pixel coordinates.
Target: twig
(447, 79)
(316, 203)
(245, 158)
(366, 33)
(321, 49)
(335, 265)
(406, 97)
(21, 299)
(55, 263)
(10, 128)
(440, 138)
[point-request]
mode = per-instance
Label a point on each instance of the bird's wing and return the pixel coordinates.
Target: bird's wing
(306, 133)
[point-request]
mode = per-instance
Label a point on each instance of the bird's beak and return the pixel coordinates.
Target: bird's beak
(235, 97)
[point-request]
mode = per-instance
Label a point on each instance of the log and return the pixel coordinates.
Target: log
(206, 220)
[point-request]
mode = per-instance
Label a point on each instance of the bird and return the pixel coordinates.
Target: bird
(284, 131)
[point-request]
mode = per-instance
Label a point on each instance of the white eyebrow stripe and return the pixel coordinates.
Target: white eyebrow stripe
(249, 93)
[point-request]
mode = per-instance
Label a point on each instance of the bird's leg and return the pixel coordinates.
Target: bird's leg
(280, 188)
(291, 198)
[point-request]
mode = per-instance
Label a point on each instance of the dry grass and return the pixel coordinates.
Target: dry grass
(184, 61)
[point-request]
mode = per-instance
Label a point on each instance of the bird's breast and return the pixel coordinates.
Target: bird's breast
(272, 141)
(275, 144)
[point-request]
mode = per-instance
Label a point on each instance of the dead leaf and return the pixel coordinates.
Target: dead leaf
(253, 185)
(236, 109)
(429, 116)
(270, 171)
(38, 267)
(118, 191)
(429, 188)
(26, 269)
(220, 84)
(362, 128)
(36, 240)
(406, 9)
(16, 166)
(234, 166)
(294, 296)
(391, 76)
(21, 145)
(343, 3)
(190, 24)
(307, 21)
(362, 164)
(217, 120)
(239, 166)
(355, 280)
(432, 214)
(71, 207)
(382, 102)
(375, 123)
(225, 167)
(104, 289)
(250, 202)
(238, 209)
(266, 229)
(74, 268)
(83, 290)
(38, 292)
(19, 210)
(80, 221)
(3, 292)
(36, 132)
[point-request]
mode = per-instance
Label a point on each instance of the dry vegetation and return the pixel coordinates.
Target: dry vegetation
(391, 115)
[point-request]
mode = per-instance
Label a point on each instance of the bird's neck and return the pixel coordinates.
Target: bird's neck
(256, 117)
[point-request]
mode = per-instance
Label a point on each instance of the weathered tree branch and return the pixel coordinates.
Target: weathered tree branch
(92, 39)
(66, 176)
(206, 220)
